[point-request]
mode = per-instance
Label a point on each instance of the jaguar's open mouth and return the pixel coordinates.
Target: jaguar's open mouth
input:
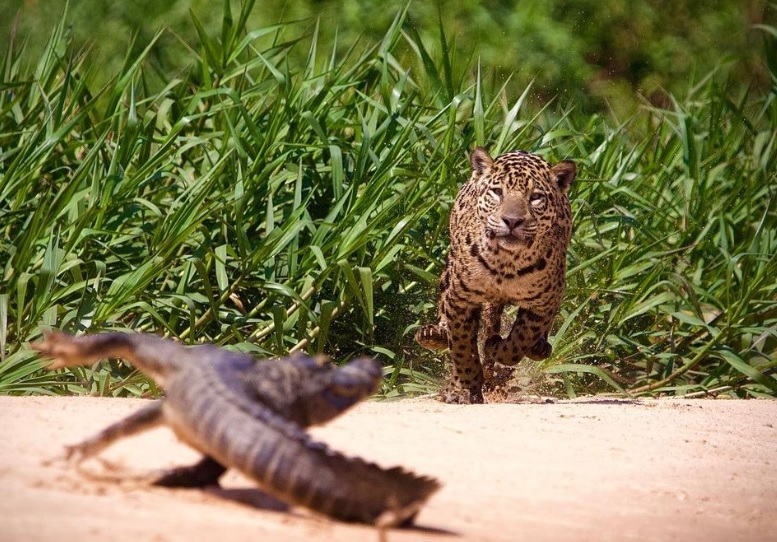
(510, 240)
(513, 241)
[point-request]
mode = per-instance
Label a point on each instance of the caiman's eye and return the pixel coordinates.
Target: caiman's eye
(496, 191)
(537, 199)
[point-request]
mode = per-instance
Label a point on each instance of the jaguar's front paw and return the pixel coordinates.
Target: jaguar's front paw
(540, 350)
(433, 337)
(454, 394)
(493, 349)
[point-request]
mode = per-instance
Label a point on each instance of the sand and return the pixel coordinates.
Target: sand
(585, 470)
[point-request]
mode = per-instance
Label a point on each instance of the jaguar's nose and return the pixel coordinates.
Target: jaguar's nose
(512, 222)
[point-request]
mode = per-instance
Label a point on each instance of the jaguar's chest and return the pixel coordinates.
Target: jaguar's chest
(488, 274)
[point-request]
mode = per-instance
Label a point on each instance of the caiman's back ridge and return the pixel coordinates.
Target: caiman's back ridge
(250, 416)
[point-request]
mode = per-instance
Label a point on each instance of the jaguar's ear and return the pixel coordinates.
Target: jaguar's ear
(563, 174)
(480, 160)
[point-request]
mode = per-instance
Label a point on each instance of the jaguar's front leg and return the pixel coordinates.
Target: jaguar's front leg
(528, 337)
(492, 318)
(435, 336)
(466, 380)
(494, 378)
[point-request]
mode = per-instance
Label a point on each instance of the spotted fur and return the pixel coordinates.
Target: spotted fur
(509, 228)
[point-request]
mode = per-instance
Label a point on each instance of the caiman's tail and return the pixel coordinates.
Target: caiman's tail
(287, 462)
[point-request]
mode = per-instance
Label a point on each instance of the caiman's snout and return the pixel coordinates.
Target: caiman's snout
(361, 376)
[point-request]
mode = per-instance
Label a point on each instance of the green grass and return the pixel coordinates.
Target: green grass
(272, 210)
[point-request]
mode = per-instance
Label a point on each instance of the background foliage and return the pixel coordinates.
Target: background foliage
(274, 188)
(599, 53)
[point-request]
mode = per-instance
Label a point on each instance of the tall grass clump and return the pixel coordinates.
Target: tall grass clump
(271, 210)
(672, 269)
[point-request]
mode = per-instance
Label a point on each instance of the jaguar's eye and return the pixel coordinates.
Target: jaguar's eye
(496, 191)
(536, 199)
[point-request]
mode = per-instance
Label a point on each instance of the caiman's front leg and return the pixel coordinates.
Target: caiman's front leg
(146, 418)
(68, 351)
(466, 381)
(528, 337)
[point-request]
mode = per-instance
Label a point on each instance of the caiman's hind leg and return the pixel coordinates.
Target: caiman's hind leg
(69, 351)
(158, 358)
(205, 473)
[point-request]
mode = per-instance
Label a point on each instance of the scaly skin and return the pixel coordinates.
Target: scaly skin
(250, 416)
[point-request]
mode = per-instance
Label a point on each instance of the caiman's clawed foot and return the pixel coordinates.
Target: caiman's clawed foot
(63, 350)
(69, 351)
(77, 453)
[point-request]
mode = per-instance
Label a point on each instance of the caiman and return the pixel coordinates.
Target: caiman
(250, 416)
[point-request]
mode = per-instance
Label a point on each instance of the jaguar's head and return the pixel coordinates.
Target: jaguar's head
(520, 196)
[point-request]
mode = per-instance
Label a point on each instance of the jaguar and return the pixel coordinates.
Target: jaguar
(510, 227)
